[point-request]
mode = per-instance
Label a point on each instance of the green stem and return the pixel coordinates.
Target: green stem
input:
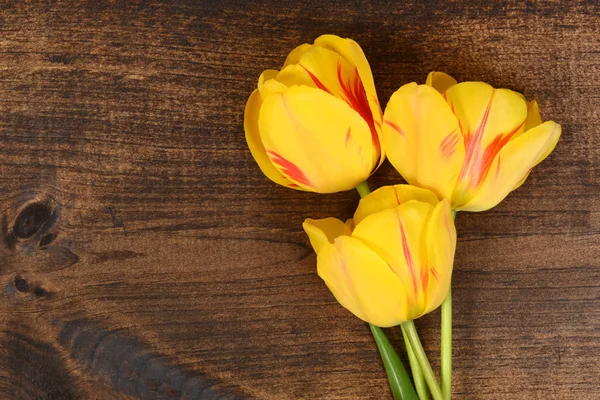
(446, 343)
(446, 347)
(363, 189)
(418, 377)
(402, 387)
(417, 347)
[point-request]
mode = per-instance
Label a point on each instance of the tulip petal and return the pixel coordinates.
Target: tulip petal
(270, 86)
(296, 54)
(267, 75)
(488, 119)
(362, 282)
(533, 116)
(397, 236)
(255, 143)
(316, 140)
(440, 81)
(349, 227)
(295, 74)
(353, 53)
(323, 231)
(332, 73)
(391, 197)
(422, 138)
(513, 163)
(441, 245)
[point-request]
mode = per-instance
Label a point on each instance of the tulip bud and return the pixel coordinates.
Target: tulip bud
(467, 142)
(396, 264)
(316, 124)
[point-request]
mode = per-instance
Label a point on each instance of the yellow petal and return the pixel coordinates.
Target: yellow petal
(362, 282)
(441, 245)
(333, 73)
(323, 231)
(533, 116)
(296, 54)
(349, 227)
(266, 75)
(255, 142)
(488, 119)
(513, 163)
(440, 81)
(397, 236)
(391, 197)
(316, 140)
(423, 139)
(353, 53)
(295, 74)
(269, 87)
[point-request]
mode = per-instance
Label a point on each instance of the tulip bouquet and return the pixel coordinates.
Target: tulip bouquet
(317, 125)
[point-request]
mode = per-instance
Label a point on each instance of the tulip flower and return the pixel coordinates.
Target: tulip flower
(393, 262)
(316, 124)
(468, 141)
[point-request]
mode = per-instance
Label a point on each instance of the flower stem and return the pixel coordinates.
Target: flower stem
(363, 189)
(418, 377)
(417, 347)
(402, 387)
(446, 347)
(446, 343)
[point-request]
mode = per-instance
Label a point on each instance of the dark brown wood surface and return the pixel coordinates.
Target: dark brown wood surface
(143, 254)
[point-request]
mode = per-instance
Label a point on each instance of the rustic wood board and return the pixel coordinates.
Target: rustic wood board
(143, 254)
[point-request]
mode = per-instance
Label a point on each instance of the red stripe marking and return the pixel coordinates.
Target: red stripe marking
(316, 80)
(353, 93)
(424, 279)
(448, 145)
(348, 136)
(497, 174)
(408, 257)
(478, 162)
(394, 127)
(397, 198)
(434, 272)
(289, 169)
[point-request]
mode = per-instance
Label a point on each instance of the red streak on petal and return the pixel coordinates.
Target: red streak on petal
(289, 169)
(316, 80)
(394, 127)
(397, 198)
(446, 222)
(353, 92)
(497, 174)
(448, 145)
(477, 161)
(424, 279)
(434, 272)
(408, 257)
(348, 136)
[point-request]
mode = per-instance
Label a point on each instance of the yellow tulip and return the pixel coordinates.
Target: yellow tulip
(465, 141)
(316, 124)
(393, 262)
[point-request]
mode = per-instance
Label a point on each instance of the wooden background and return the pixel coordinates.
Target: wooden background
(143, 254)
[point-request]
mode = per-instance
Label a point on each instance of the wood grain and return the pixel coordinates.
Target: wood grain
(144, 255)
